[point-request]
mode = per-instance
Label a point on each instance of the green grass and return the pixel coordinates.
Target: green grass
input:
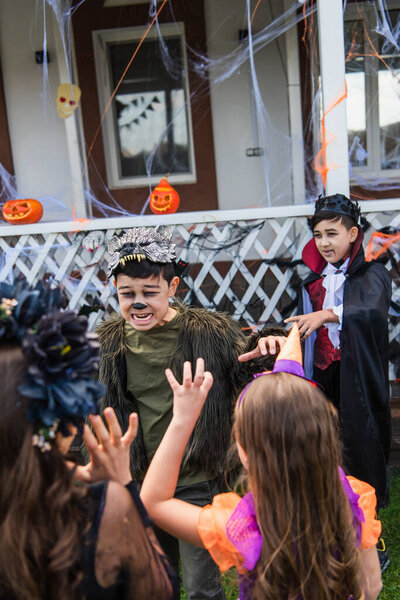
(229, 582)
(391, 531)
(230, 585)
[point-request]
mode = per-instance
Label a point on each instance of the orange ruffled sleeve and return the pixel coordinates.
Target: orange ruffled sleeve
(371, 528)
(211, 527)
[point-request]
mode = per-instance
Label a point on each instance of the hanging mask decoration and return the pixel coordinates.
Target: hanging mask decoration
(68, 96)
(164, 200)
(22, 212)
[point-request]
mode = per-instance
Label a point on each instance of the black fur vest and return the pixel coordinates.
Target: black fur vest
(217, 338)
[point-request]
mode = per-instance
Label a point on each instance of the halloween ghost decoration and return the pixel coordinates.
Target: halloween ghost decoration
(93, 240)
(22, 212)
(164, 200)
(68, 96)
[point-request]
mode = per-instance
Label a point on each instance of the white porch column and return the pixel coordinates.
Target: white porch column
(335, 154)
(295, 116)
(73, 129)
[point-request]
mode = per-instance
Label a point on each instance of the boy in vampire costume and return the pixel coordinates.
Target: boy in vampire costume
(152, 334)
(344, 320)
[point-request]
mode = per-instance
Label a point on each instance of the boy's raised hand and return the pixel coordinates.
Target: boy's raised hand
(272, 344)
(190, 396)
(108, 449)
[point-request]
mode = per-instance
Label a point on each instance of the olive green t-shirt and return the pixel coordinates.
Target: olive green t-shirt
(146, 360)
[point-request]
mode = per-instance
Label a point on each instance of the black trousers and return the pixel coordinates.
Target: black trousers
(329, 379)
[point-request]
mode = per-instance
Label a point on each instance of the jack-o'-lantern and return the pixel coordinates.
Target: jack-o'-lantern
(22, 212)
(164, 200)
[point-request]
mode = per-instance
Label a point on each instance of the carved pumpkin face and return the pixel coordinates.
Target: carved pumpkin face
(22, 212)
(164, 200)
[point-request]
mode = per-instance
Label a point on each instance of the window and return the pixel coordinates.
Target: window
(373, 86)
(148, 130)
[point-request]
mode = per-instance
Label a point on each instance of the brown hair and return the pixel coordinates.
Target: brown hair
(146, 268)
(328, 215)
(40, 520)
(290, 434)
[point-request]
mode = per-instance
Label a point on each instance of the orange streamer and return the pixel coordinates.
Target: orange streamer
(303, 39)
(253, 328)
(103, 116)
(254, 12)
(81, 220)
(320, 163)
(383, 245)
(375, 51)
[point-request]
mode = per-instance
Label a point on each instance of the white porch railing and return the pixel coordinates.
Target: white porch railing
(229, 253)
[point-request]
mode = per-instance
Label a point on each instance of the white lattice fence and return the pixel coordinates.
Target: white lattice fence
(229, 252)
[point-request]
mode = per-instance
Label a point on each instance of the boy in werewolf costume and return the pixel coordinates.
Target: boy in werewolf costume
(150, 335)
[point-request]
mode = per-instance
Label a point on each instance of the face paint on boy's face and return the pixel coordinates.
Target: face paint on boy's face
(144, 303)
(333, 240)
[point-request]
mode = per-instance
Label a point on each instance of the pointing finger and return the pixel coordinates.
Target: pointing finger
(291, 319)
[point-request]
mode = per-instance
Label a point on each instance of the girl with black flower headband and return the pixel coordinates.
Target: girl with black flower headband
(60, 541)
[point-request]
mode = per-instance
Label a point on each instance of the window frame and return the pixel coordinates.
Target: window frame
(372, 169)
(101, 37)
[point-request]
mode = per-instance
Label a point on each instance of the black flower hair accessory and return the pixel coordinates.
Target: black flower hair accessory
(21, 307)
(62, 357)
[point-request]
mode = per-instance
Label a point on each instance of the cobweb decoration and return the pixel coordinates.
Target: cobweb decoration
(264, 25)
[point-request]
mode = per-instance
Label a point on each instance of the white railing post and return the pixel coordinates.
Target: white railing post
(334, 157)
(295, 116)
(77, 160)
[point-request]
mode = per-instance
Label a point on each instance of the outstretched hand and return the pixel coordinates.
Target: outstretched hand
(272, 344)
(108, 449)
(310, 322)
(190, 396)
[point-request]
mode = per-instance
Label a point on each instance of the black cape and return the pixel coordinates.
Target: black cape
(364, 388)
